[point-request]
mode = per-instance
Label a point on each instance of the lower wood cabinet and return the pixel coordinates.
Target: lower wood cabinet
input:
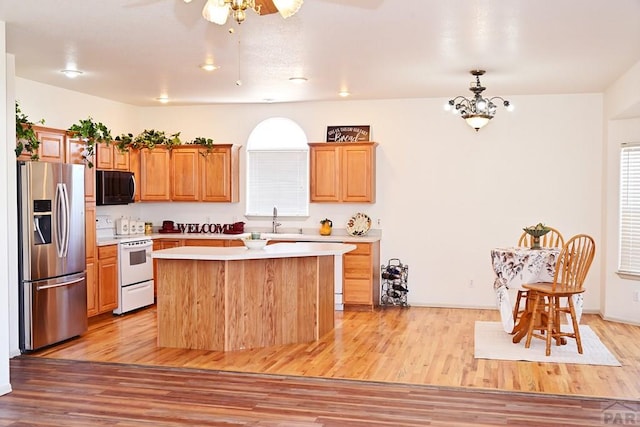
(90, 254)
(92, 288)
(107, 278)
(361, 277)
(162, 244)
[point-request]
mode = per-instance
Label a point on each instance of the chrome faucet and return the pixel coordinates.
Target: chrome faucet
(274, 222)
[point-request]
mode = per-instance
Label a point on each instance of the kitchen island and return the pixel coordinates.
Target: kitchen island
(232, 298)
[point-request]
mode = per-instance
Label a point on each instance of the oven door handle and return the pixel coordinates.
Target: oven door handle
(126, 246)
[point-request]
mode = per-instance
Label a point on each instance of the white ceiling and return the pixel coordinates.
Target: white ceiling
(133, 51)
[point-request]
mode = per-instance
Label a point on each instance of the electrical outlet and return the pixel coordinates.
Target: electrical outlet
(636, 296)
(379, 222)
(471, 283)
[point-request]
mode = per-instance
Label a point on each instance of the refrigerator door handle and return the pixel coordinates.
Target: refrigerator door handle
(58, 285)
(62, 235)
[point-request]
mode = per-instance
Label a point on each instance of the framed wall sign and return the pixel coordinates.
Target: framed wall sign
(347, 133)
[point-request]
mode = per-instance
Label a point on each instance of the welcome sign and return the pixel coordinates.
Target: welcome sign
(347, 133)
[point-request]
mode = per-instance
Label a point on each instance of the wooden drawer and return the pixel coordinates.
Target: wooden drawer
(357, 291)
(361, 249)
(110, 251)
(357, 267)
(166, 244)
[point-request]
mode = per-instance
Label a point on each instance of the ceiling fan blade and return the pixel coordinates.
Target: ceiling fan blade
(267, 7)
(363, 4)
(140, 3)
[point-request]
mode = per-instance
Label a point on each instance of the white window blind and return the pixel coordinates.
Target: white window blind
(278, 178)
(277, 169)
(630, 209)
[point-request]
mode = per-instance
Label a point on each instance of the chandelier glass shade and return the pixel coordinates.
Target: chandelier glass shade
(217, 11)
(476, 111)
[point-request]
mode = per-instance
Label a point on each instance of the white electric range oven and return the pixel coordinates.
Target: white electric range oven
(135, 284)
(135, 266)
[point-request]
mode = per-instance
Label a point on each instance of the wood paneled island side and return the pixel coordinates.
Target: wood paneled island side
(232, 298)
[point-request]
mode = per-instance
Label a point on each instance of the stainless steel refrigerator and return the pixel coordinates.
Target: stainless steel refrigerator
(51, 244)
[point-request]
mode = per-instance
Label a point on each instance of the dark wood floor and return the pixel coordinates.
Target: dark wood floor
(50, 392)
(391, 367)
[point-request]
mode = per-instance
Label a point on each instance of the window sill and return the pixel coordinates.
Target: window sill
(628, 275)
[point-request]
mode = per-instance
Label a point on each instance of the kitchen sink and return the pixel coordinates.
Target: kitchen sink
(276, 236)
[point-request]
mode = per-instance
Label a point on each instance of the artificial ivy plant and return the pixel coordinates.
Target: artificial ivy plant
(26, 139)
(91, 133)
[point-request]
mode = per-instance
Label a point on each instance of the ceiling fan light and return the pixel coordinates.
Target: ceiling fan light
(216, 11)
(71, 73)
(287, 8)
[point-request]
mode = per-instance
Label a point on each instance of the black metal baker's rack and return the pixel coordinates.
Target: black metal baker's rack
(395, 286)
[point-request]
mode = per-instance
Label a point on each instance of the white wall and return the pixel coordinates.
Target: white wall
(61, 108)
(446, 194)
(621, 101)
(6, 93)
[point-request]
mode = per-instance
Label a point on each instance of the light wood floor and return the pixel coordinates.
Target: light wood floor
(417, 345)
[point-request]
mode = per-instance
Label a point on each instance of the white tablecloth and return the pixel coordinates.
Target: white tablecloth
(517, 266)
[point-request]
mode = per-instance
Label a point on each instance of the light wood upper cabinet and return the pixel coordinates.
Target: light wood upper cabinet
(104, 156)
(220, 174)
(154, 179)
(108, 157)
(52, 146)
(185, 171)
(75, 148)
(198, 174)
(343, 172)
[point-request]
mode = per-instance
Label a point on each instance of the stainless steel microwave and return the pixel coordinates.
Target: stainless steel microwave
(115, 188)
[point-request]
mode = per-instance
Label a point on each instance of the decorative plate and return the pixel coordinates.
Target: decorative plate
(359, 224)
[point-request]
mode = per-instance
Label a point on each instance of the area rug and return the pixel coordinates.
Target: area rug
(492, 342)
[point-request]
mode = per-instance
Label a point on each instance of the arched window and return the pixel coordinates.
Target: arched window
(277, 169)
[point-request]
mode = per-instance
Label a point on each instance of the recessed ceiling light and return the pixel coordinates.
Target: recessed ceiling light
(162, 99)
(344, 93)
(72, 74)
(209, 67)
(298, 79)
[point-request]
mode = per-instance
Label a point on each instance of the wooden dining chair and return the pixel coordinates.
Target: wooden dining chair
(551, 299)
(553, 239)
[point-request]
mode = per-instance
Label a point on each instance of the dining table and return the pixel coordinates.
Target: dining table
(516, 266)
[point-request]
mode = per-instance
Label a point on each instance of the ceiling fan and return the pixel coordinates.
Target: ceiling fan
(217, 11)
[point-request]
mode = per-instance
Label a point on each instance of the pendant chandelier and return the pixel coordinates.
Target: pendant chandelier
(476, 111)
(217, 11)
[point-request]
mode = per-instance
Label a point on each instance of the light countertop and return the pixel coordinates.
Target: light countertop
(277, 250)
(339, 236)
